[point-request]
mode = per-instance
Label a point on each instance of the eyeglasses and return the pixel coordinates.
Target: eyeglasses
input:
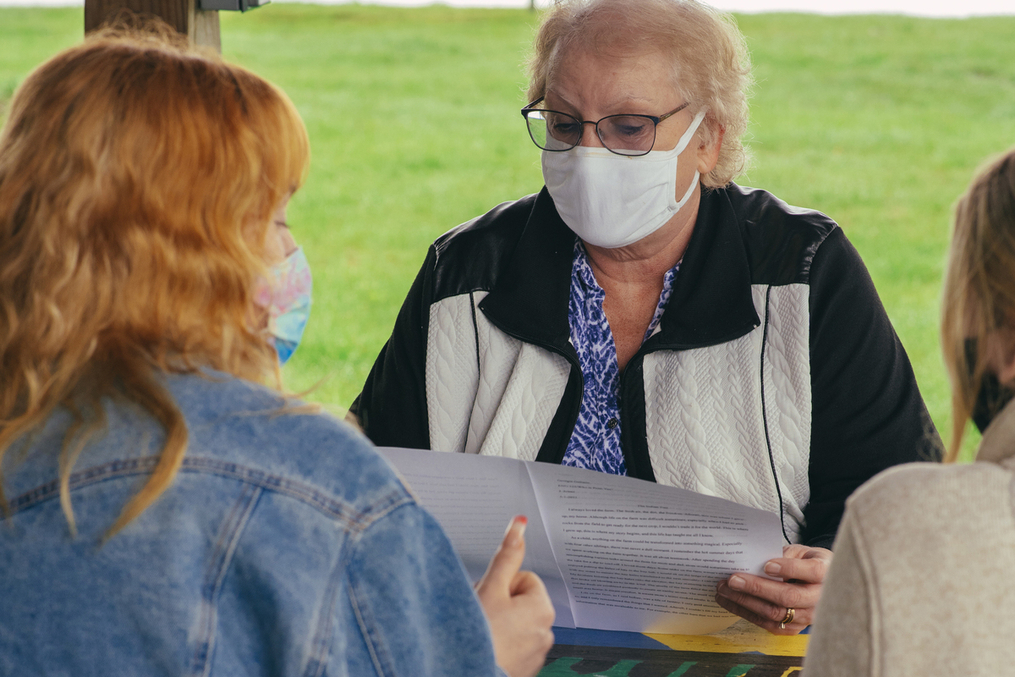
(630, 135)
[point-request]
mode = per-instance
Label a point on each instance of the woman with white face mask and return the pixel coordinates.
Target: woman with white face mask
(644, 315)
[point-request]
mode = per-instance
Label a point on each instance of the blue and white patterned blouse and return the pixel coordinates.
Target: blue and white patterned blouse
(595, 443)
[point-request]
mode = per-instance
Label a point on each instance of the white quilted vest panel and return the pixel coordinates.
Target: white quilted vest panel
(451, 374)
(488, 393)
(704, 417)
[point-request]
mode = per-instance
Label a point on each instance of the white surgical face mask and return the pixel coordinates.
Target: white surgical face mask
(611, 200)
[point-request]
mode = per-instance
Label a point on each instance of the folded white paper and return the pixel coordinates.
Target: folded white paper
(615, 553)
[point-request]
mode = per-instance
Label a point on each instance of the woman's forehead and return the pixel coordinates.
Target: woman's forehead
(611, 76)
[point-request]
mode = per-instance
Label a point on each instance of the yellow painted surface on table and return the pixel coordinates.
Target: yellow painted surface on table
(740, 637)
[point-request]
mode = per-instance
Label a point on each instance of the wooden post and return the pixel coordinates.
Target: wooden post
(201, 26)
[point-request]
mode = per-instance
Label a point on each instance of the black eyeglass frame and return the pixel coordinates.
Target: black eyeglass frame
(655, 124)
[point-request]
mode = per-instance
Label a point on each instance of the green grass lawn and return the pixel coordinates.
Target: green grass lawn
(413, 117)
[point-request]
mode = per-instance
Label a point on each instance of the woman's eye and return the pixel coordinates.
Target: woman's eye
(631, 130)
(564, 129)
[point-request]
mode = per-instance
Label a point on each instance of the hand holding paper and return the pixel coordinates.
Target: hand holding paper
(800, 571)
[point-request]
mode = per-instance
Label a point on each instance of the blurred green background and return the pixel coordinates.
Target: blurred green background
(413, 119)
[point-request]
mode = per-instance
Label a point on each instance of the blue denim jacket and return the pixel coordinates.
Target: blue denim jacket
(285, 546)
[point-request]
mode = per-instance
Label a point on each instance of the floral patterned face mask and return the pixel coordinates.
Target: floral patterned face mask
(286, 295)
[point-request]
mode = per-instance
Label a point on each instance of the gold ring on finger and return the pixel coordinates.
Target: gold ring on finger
(790, 615)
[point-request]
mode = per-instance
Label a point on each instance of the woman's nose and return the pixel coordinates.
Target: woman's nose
(590, 137)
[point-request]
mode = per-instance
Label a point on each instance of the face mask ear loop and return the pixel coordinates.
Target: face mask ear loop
(686, 138)
(690, 191)
(680, 147)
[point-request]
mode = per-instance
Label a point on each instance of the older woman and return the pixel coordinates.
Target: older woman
(922, 581)
(643, 315)
(165, 512)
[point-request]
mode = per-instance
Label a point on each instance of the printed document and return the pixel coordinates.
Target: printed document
(615, 553)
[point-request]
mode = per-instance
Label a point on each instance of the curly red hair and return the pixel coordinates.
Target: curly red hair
(138, 177)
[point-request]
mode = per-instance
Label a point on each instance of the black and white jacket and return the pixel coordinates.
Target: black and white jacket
(774, 380)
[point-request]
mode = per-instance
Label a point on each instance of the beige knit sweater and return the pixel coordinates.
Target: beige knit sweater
(923, 580)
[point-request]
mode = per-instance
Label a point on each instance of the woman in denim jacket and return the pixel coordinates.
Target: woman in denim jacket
(166, 512)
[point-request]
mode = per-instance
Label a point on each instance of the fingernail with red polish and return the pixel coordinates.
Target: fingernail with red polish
(517, 526)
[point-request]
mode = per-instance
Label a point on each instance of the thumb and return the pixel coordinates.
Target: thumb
(507, 561)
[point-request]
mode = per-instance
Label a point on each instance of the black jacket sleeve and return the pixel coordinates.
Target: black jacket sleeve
(867, 410)
(391, 408)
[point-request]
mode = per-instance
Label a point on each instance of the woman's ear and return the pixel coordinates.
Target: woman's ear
(708, 153)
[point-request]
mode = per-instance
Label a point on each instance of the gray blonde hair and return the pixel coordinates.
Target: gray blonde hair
(711, 66)
(978, 302)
